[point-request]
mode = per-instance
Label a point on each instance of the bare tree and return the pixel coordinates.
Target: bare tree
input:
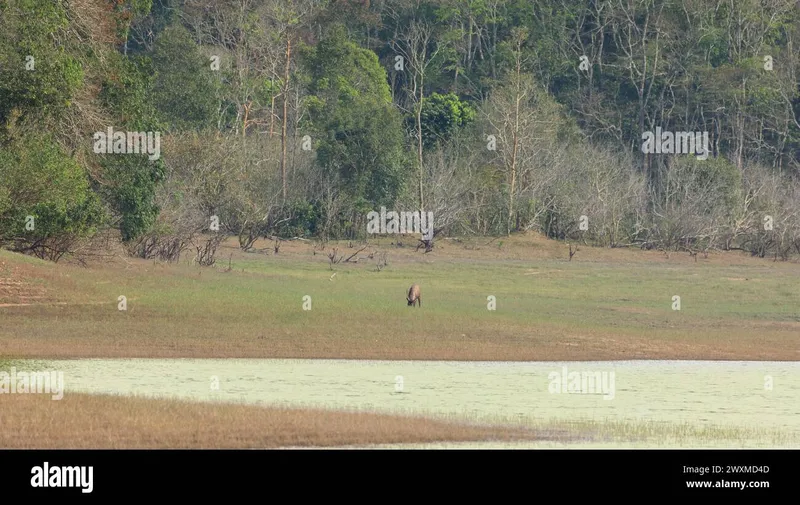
(414, 46)
(525, 121)
(288, 16)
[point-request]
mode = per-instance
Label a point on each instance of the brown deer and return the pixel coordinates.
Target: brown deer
(414, 296)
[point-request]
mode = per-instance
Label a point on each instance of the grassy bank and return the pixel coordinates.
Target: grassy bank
(603, 305)
(80, 421)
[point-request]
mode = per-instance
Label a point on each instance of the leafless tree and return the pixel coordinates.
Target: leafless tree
(414, 45)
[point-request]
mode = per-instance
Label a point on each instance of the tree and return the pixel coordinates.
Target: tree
(442, 116)
(128, 183)
(37, 77)
(46, 203)
(525, 121)
(184, 90)
(357, 130)
(414, 47)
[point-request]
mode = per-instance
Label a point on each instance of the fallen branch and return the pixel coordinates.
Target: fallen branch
(351, 256)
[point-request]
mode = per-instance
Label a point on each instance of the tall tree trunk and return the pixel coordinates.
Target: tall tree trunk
(494, 40)
(740, 126)
(244, 121)
(513, 182)
(514, 149)
(285, 113)
(271, 117)
(295, 122)
(419, 142)
(469, 45)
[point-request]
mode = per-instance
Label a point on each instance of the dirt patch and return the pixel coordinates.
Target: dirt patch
(633, 310)
(52, 303)
(15, 288)
(596, 347)
(789, 325)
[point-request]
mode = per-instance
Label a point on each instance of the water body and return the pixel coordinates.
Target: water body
(757, 397)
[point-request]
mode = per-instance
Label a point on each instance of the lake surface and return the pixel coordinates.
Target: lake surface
(755, 396)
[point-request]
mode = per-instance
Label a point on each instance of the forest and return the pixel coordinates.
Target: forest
(298, 118)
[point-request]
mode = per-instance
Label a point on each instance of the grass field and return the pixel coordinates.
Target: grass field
(605, 304)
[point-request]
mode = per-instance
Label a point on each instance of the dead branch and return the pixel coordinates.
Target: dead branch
(351, 256)
(572, 251)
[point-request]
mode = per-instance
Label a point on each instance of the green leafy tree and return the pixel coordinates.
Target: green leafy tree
(442, 116)
(130, 180)
(37, 76)
(184, 90)
(46, 203)
(358, 130)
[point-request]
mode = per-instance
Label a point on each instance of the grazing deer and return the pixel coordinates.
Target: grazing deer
(414, 296)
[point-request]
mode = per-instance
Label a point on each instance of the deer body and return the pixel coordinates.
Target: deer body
(414, 296)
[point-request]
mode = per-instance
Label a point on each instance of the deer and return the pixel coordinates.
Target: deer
(414, 296)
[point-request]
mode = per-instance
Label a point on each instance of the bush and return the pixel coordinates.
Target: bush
(39, 181)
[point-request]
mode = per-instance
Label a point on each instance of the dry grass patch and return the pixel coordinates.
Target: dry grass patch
(82, 421)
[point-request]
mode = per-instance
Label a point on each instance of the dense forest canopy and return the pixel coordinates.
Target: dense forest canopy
(300, 117)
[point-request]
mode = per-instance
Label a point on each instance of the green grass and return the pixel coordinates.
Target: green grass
(542, 303)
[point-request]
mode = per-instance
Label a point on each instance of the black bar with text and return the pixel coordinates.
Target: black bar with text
(142, 473)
